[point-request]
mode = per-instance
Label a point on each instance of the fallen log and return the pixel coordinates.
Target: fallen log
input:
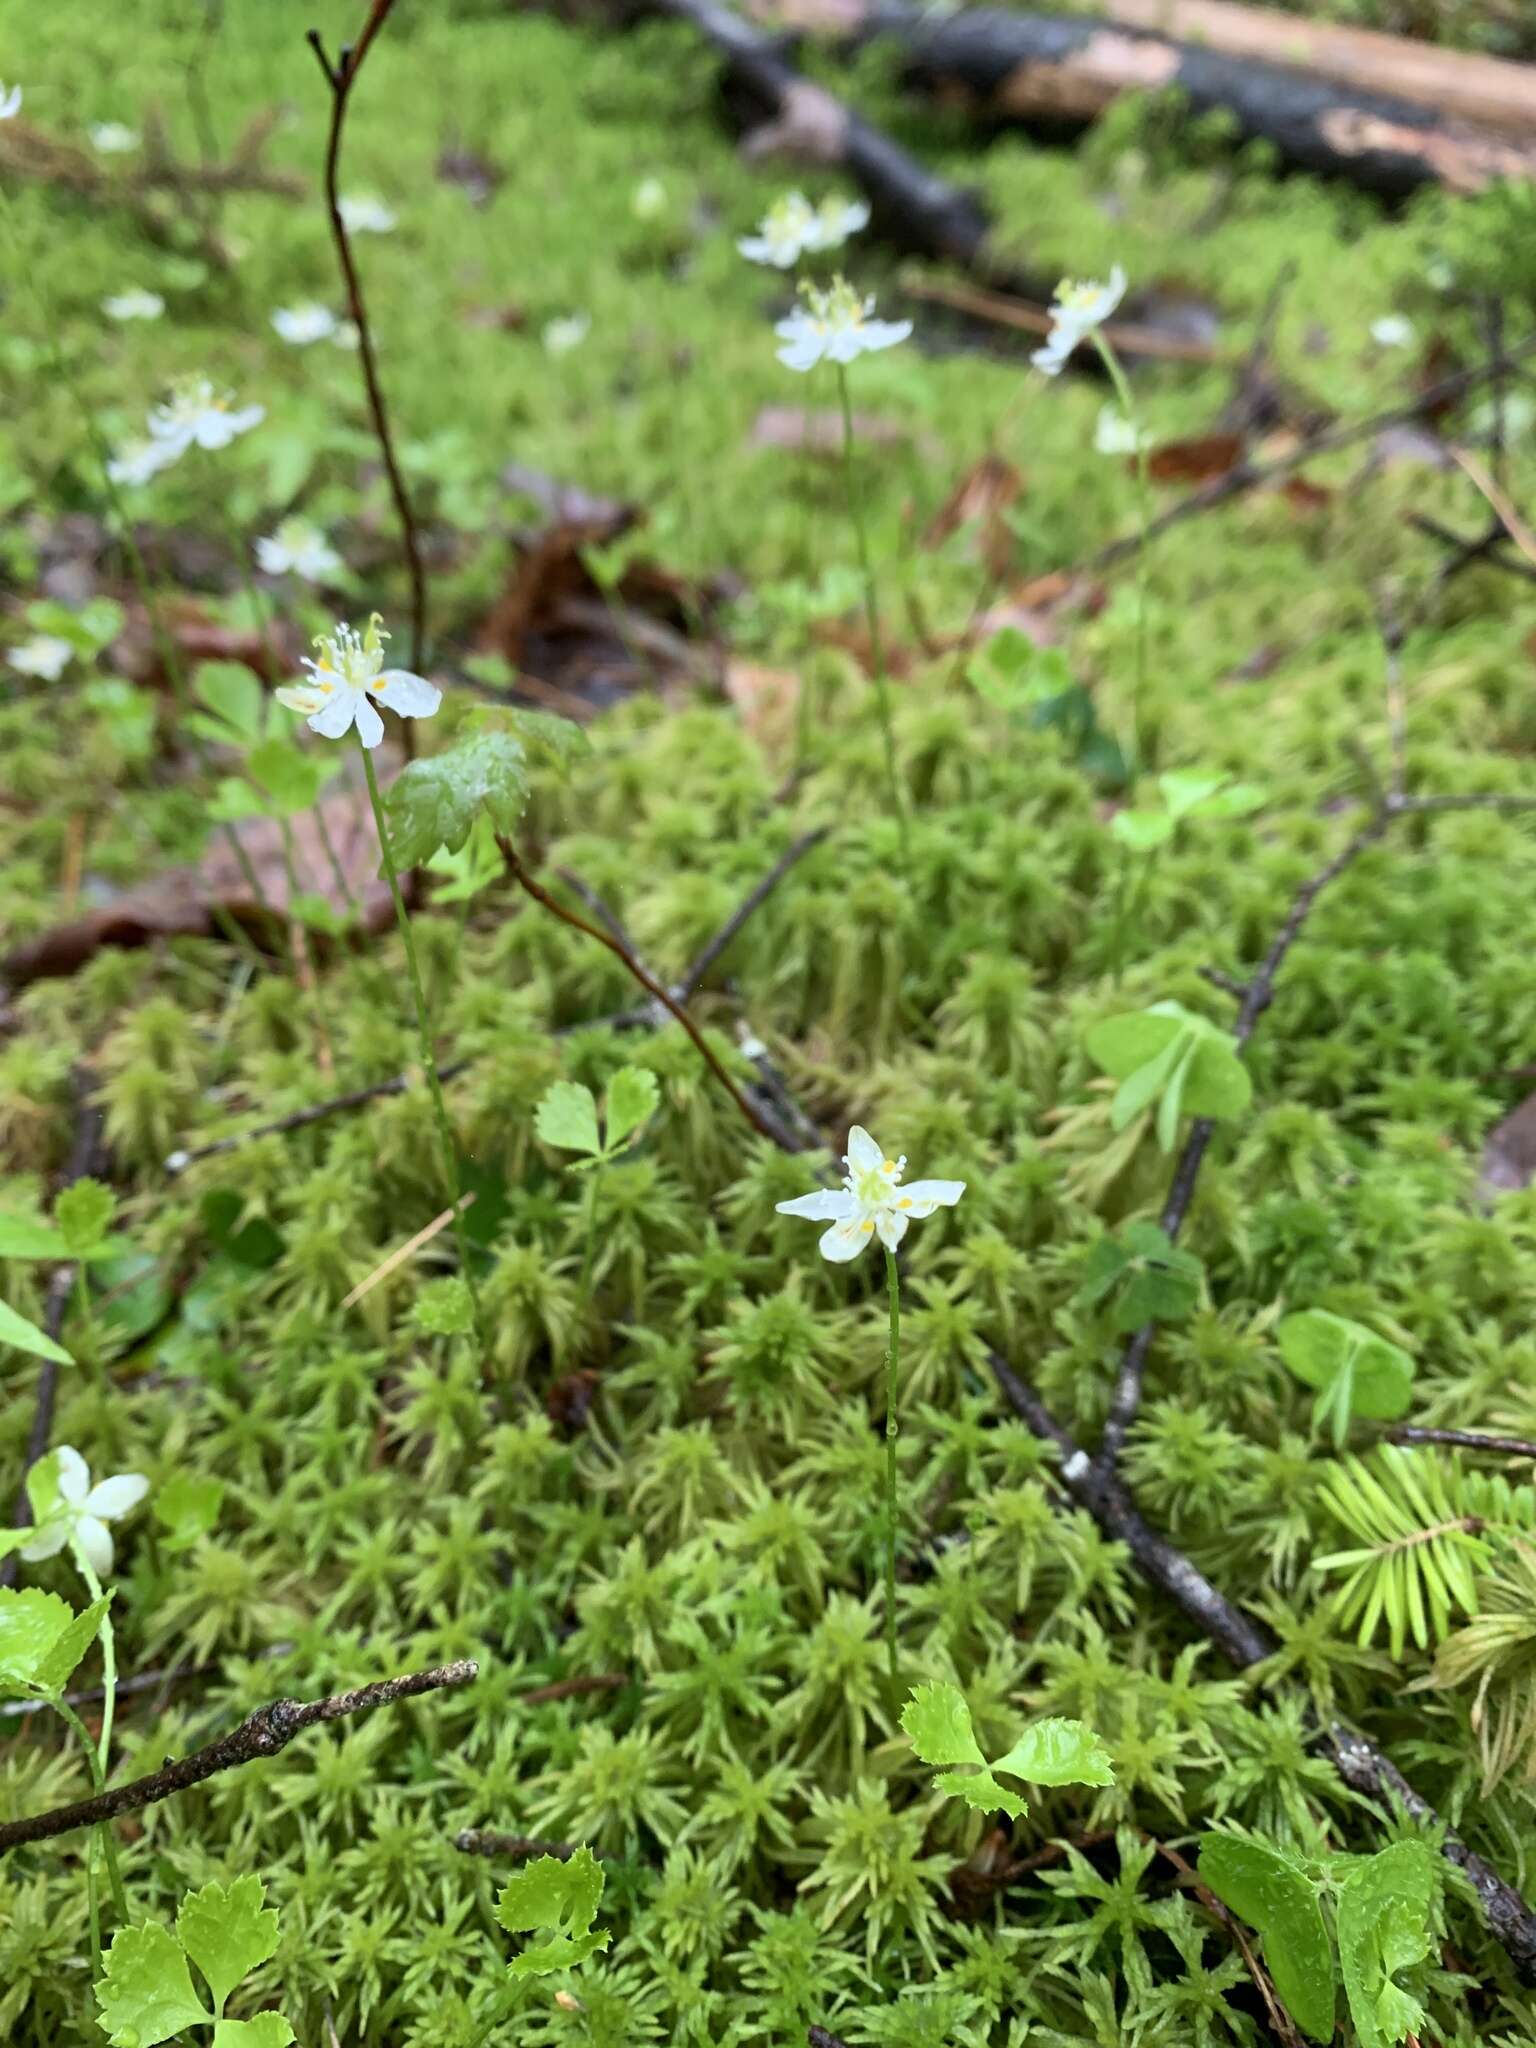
(1056, 74)
(1489, 92)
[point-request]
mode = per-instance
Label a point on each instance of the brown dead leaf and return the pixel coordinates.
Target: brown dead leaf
(139, 654)
(1198, 460)
(767, 699)
(1306, 496)
(185, 902)
(812, 432)
(1509, 1153)
(982, 499)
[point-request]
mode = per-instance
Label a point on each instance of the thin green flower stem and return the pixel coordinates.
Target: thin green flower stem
(892, 1356)
(423, 1030)
(1117, 376)
(104, 1832)
(590, 1250)
(872, 614)
(103, 1747)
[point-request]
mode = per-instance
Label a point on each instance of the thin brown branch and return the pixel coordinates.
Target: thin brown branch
(262, 1734)
(1463, 1439)
(574, 1688)
(696, 970)
(516, 1848)
(765, 1125)
(341, 77)
(1486, 546)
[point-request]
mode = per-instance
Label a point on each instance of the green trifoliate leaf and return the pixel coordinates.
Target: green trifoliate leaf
(267, 2030)
(31, 1623)
(84, 1213)
(146, 1993)
(1121, 1045)
(1272, 1892)
(187, 1506)
(1168, 1051)
(1355, 1372)
(1141, 831)
(567, 1117)
(633, 1094)
(938, 1725)
(435, 802)
(1058, 1752)
(227, 1931)
(1153, 1280)
(1187, 789)
(58, 1664)
(1384, 1922)
(563, 1896)
(22, 1335)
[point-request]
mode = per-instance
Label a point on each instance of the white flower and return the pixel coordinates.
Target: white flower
(138, 461)
(113, 138)
(43, 657)
(1392, 331)
(195, 415)
(10, 102)
(561, 336)
(1116, 435)
(304, 324)
(297, 548)
(135, 304)
(871, 1201)
(834, 326)
(346, 334)
(784, 234)
(364, 213)
(836, 220)
(79, 1512)
(649, 201)
(347, 674)
(1079, 308)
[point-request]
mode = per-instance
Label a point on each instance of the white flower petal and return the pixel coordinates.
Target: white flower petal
(74, 1474)
(892, 1227)
(921, 1197)
(48, 1542)
(864, 1155)
(827, 1205)
(114, 1497)
(407, 695)
(299, 697)
(844, 1241)
(370, 727)
(93, 1540)
(336, 715)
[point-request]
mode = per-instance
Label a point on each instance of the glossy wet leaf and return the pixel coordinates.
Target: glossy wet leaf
(1272, 1891)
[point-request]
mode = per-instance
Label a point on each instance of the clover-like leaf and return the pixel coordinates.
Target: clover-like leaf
(938, 1724)
(234, 697)
(1355, 1371)
(84, 1213)
(1153, 1280)
(1058, 1752)
(145, 1992)
(632, 1096)
(1384, 1923)
(567, 1117)
(1170, 1056)
(1272, 1891)
(1218, 1085)
(1141, 831)
(21, 1334)
(227, 1930)
(435, 802)
(563, 1896)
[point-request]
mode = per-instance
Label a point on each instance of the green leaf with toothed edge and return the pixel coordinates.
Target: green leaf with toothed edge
(632, 1096)
(145, 1992)
(563, 1896)
(937, 1722)
(228, 1931)
(567, 1118)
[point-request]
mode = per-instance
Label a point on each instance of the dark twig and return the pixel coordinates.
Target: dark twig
(85, 1156)
(1279, 2018)
(487, 1842)
(695, 972)
(1243, 1642)
(178, 1162)
(262, 1734)
(818, 2037)
(605, 914)
(341, 77)
(766, 1125)
(1486, 546)
(1463, 1439)
(1247, 476)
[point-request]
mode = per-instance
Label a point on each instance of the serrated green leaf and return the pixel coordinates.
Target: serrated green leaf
(31, 1622)
(632, 1096)
(435, 802)
(57, 1667)
(23, 1335)
(561, 1895)
(1058, 1752)
(84, 1213)
(471, 869)
(1384, 1914)
(567, 1118)
(29, 1237)
(558, 742)
(981, 1790)
(1272, 1892)
(227, 1931)
(267, 2030)
(937, 1723)
(146, 1993)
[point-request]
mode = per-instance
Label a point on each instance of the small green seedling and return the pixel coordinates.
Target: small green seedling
(1384, 1909)
(567, 1119)
(1053, 1752)
(1035, 686)
(1170, 1056)
(1356, 1373)
(434, 803)
(1145, 1276)
(562, 1897)
(146, 1993)
(42, 1640)
(80, 1232)
(1186, 793)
